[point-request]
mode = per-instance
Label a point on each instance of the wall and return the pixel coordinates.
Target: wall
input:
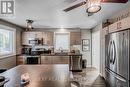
(86, 34)
(10, 62)
(7, 63)
(121, 14)
(96, 46)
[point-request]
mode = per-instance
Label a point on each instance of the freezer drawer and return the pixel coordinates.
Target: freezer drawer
(114, 80)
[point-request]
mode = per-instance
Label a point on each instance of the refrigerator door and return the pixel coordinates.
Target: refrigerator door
(117, 59)
(123, 54)
(107, 50)
(114, 80)
(111, 52)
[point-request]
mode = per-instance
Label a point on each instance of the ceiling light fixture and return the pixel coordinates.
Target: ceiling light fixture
(29, 24)
(93, 6)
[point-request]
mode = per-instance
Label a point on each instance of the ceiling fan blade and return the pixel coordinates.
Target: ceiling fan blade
(114, 1)
(74, 6)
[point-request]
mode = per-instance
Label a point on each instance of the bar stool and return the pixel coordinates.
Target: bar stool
(2, 70)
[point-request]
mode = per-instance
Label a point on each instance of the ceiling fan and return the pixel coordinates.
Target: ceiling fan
(93, 6)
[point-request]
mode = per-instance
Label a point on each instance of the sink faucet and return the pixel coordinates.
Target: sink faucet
(61, 49)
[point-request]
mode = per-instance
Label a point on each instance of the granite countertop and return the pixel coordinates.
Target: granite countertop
(60, 54)
(28, 55)
(52, 54)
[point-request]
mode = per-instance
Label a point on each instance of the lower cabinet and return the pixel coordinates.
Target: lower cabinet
(46, 59)
(61, 60)
(54, 59)
(21, 60)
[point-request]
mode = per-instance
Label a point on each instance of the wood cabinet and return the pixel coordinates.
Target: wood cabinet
(120, 25)
(25, 38)
(75, 38)
(38, 35)
(46, 36)
(61, 60)
(54, 59)
(46, 59)
(21, 60)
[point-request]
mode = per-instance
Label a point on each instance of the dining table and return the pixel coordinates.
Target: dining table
(56, 75)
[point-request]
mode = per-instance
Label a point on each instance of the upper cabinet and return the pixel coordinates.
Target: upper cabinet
(25, 38)
(120, 25)
(46, 36)
(75, 38)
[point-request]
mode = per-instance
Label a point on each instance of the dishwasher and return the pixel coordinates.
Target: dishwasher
(75, 63)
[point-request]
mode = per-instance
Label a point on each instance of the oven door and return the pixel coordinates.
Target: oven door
(32, 60)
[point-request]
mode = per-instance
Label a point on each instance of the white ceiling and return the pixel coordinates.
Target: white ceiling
(50, 14)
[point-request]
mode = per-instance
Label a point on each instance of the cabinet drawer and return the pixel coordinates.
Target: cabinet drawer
(46, 60)
(20, 60)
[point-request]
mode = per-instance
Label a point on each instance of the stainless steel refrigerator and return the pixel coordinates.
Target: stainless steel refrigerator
(117, 59)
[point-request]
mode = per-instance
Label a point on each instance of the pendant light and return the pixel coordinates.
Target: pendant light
(93, 6)
(29, 25)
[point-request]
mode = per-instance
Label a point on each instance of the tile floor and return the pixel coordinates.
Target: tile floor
(89, 77)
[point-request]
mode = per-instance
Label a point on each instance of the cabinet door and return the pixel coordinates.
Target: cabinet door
(46, 59)
(75, 38)
(120, 25)
(31, 35)
(113, 28)
(50, 38)
(21, 60)
(61, 60)
(56, 59)
(38, 35)
(64, 60)
(25, 38)
(123, 24)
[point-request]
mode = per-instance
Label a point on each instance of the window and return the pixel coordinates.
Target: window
(62, 41)
(7, 41)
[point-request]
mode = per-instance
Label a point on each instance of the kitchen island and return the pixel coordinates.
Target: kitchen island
(40, 76)
(73, 60)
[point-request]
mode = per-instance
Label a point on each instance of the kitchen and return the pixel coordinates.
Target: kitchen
(89, 49)
(38, 47)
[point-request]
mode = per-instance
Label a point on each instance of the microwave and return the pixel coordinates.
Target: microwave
(35, 41)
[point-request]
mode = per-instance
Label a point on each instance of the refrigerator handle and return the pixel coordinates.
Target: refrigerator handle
(109, 50)
(114, 46)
